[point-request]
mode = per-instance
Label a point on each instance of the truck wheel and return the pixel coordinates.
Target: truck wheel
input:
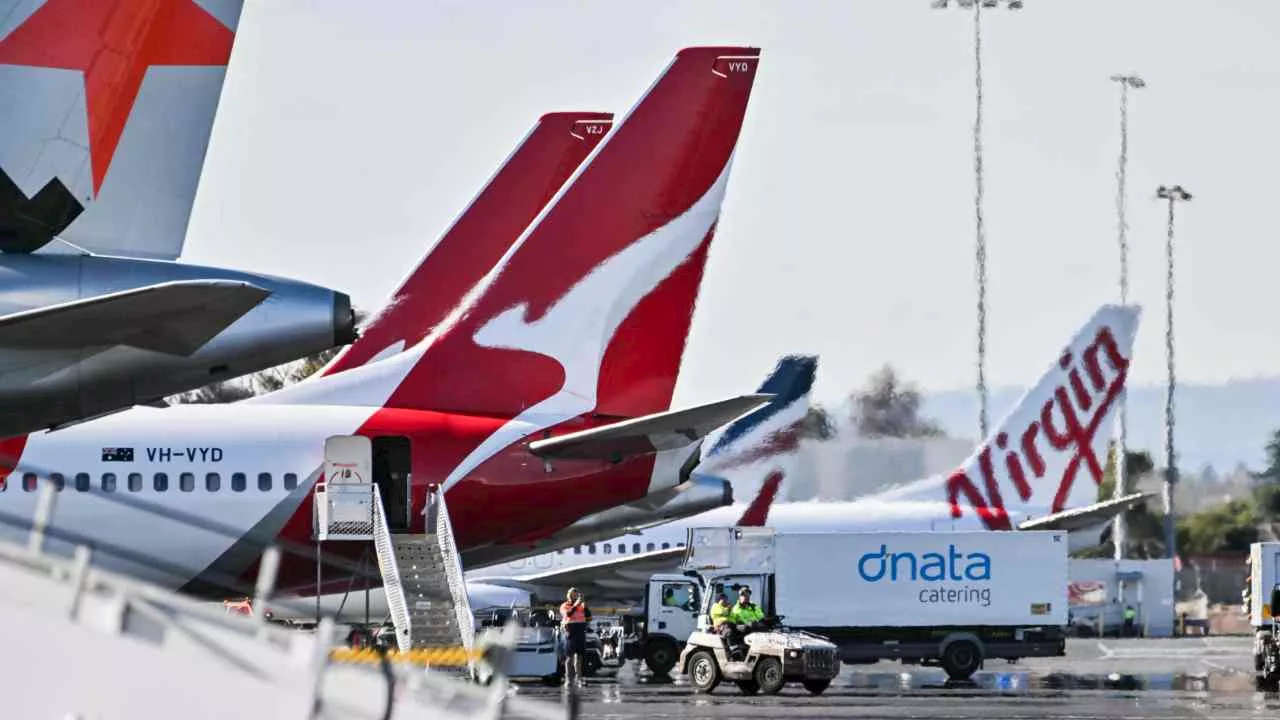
(961, 660)
(704, 673)
(768, 675)
(1257, 662)
(660, 655)
(817, 687)
(749, 687)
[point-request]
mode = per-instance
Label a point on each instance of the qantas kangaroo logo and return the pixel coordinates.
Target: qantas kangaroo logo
(1058, 429)
(591, 310)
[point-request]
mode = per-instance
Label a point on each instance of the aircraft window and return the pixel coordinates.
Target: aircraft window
(577, 550)
(607, 548)
(635, 547)
(29, 482)
(622, 548)
(679, 545)
(108, 482)
(135, 482)
(290, 481)
(82, 482)
(666, 546)
(58, 481)
(264, 482)
(213, 482)
(648, 547)
(591, 549)
(187, 482)
(161, 482)
(238, 481)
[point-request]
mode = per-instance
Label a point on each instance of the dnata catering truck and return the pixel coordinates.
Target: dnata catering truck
(950, 599)
(1262, 598)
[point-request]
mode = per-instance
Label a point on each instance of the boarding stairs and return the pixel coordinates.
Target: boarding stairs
(421, 572)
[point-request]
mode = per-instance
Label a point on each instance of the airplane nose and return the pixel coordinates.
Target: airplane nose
(344, 320)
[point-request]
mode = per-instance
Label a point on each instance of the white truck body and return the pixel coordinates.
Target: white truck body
(919, 579)
(1264, 575)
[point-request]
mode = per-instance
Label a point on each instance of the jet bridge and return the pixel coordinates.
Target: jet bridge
(421, 572)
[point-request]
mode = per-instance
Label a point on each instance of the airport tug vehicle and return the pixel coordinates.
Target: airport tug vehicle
(773, 657)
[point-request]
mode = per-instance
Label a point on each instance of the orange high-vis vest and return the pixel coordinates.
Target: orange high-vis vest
(571, 613)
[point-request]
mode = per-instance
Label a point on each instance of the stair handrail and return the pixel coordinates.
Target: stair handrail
(452, 562)
(390, 570)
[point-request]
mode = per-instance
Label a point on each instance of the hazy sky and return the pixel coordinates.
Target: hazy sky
(351, 134)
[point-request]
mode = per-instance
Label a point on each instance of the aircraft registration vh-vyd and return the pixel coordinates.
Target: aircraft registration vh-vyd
(106, 109)
(541, 398)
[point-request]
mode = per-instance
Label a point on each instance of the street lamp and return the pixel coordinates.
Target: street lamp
(1173, 194)
(1122, 452)
(980, 247)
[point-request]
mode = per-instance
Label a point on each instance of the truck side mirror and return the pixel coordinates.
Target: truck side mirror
(1275, 600)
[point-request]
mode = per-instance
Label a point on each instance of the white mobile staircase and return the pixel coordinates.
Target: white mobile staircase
(421, 572)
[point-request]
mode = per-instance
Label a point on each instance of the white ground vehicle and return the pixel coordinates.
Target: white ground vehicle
(538, 651)
(1262, 600)
(773, 657)
(947, 598)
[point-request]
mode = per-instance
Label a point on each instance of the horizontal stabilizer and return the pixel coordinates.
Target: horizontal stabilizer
(628, 573)
(1085, 517)
(177, 318)
(650, 433)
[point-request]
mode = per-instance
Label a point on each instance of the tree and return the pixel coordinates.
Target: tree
(889, 407)
(1272, 472)
(1230, 527)
(817, 423)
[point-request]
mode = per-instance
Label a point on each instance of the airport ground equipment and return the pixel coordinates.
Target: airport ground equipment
(421, 572)
(1262, 600)
(950, 599)
(774, 656)
(89, 643)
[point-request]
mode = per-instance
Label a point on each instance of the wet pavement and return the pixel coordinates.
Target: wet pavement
(1184, 678)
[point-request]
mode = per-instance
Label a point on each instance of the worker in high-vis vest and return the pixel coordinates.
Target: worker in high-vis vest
(574, 616)
(720, 612)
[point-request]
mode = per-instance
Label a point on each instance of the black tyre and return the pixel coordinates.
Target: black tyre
(660, 655)
(1257, 662)
(817, 687)
(768, 675)
(749, 687)
(961, 660)
(704, 672)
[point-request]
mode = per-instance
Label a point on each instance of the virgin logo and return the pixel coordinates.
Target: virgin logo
(1067, 425)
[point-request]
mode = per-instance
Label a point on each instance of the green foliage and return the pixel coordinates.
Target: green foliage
(1226, 528)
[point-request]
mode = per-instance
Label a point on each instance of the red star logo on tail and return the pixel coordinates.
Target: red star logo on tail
(114, 42)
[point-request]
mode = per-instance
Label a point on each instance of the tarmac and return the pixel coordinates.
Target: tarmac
(1158, 678)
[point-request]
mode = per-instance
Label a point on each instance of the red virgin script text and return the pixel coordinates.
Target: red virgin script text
(1068, 435)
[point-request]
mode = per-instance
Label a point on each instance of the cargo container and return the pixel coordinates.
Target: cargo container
(951, 599)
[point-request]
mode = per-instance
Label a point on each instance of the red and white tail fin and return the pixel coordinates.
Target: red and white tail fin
(590, 310)
(530, 176)
(1049, 451)
(106, 109)
(757, 513)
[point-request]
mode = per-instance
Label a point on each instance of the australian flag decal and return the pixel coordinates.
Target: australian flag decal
(117, 454)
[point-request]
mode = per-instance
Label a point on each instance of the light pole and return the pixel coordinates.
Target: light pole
(1131, 80)
(1173, 194)
(980, 247)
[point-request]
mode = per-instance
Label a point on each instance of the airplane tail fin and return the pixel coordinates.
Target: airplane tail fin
(107, 109)
(1048, 453)
(589, 311)
(529, 177)
(757, 513)
(789, 383)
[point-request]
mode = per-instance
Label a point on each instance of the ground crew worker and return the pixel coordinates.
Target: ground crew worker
(1129, 615)
(574, 617)
(746, 612)
(720, 612)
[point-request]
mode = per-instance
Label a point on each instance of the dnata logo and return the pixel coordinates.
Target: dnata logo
(930, 566)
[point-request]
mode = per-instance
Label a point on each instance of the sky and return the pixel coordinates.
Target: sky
(350, 135)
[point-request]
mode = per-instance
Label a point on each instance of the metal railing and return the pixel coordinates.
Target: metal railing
(390, 570)
(442, 528)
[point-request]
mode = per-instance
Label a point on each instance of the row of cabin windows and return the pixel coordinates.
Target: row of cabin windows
(607, 549)
(109, 482)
